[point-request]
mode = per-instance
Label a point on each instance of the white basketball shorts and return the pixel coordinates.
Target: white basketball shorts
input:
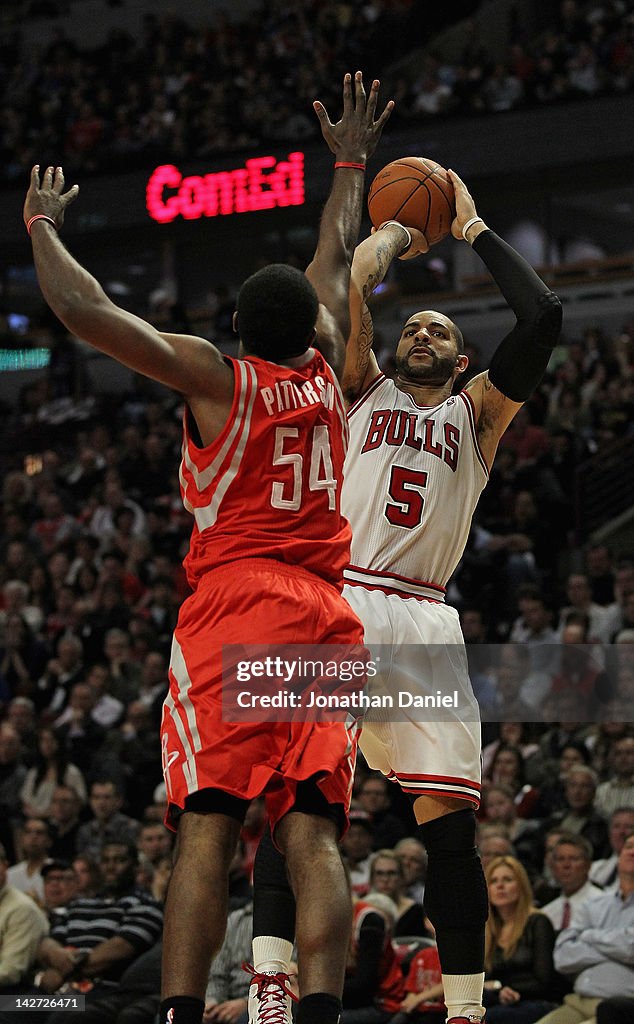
(433, 751)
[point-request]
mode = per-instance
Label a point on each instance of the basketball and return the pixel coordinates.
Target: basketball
(417, 193)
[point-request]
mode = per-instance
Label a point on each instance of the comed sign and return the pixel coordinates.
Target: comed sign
(262, 184)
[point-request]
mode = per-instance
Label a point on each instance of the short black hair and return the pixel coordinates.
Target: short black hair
(277, 311)
(458, 338)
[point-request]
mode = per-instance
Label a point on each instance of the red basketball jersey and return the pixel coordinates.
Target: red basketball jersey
(269, 485)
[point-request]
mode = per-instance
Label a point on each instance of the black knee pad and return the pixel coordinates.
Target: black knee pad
(455, 888)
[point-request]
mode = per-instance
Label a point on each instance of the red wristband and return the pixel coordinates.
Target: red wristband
(345, 163)
(39, 216)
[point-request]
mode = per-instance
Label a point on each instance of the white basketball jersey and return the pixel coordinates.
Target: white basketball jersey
(413, 476)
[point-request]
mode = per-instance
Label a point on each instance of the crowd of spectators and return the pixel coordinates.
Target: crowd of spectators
(179, 92)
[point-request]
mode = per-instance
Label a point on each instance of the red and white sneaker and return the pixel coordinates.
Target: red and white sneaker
(471, 1019)
(270, 997)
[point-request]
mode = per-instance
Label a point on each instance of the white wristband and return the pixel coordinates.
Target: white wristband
(409, 237)
(469, 224)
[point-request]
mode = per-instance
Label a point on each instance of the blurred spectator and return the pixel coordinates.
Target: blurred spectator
(502, 90)
(226, 998)
(600, 574)
(154, 842)
(579, 816)
(499, 808)
(50, 771)
(12, 776)
(571, 860)
(123, 672)
(60, 884)
(545, 886)
(132, 751)
(21, 715)
(108, 824)
(387, 876)
(603, 872)
(581, 674)
(64, 820)
(35, 844)
(618, 791)
(579, 594)
(77, 730)
(513, 677)
(515, 733)
(88, 875)
(22, 658)
(493, 844)
(15, 597)
(413, 857)
(552, 796)
(22, 926)
(356, 847)
(507, 768)
(62, 672)
(374, 799)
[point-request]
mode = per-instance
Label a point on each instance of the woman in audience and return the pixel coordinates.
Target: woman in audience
(520, 985)
(51, 769)
(516, 733)
(507, 768)
(88, 875)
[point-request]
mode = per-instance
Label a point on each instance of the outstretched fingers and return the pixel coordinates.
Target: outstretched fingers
(359, 91)
(372, 100)
(389, 107)
(348, 104)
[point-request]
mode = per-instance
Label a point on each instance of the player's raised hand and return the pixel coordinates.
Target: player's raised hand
(48, 198)
(354, 138)
(465, 206)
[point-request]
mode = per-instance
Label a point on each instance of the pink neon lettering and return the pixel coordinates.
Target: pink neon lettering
(262, 184)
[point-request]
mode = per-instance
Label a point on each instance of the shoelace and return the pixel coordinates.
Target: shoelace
(271, 992)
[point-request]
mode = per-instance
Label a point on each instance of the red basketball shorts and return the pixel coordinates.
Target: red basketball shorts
(252, 602)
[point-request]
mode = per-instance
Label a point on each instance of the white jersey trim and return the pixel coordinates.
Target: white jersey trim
(393, 583)
(366, 394)
(468, 401)
(207, 515)
(438, 785)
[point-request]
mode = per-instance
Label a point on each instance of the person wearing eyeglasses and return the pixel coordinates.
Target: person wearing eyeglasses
(388, 877)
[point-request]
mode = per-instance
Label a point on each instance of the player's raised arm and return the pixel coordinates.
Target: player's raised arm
(521, 358)
(352, 140)
(372, 259)
(188, 364)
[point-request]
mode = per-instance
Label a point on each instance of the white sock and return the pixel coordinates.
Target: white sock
(463, 995)
(272, 955)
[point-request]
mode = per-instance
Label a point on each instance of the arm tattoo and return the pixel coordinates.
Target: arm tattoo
(364, 340)
(384, 254)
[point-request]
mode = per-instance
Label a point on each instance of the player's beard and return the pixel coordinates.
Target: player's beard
(435, 373)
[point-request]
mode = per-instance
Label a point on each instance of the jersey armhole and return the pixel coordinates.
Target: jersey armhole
(372, 387)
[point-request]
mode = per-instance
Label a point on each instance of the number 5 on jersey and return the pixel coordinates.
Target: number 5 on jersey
(406, 508)
(287, 493)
